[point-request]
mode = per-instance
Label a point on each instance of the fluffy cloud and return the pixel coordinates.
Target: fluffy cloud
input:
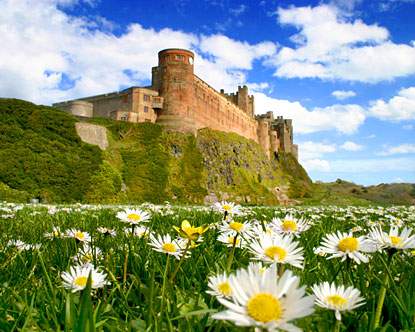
(351, 146)
(57, 57)
(309, 150)
(316, 165)
(398, 108)
(345, 119)
(341, 94)
(331, 46)
(400, 149)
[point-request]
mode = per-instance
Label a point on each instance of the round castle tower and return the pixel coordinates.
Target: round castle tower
(174, 78)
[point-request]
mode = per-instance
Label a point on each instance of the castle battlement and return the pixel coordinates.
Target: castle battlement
(181, 101)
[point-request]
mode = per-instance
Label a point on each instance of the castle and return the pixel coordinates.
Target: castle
(181, 101)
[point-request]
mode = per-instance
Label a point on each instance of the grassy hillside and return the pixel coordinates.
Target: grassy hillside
(342, 192)
(42, 155)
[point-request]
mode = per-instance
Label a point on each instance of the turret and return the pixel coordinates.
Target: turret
(174, 80)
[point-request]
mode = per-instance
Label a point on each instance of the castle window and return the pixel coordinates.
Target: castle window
(165, 70)
(183, 58)
(146, 109)
(123, 118)
(177, 57)
(125, 98)
(147, 120)
(168, 57)
(157, 100)
(146, 98)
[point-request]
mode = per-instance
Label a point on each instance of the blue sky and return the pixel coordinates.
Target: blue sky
(343, 70)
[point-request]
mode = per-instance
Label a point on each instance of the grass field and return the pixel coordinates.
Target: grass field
(133, 287)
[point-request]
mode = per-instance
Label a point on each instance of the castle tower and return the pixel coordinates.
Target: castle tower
(174, 78)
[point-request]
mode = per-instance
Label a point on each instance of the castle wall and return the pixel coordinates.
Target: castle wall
(214, 110)
(76, 107)
(92, 134)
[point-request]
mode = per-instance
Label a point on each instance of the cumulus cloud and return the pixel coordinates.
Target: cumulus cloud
(398, 108)
(329, 45)
(400, 149)
(316, 165)
(345, 119)
(55, 56)
(341, 94)
(351, 146)
(310, 150)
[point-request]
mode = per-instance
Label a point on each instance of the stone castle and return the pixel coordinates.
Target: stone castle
(181, 101)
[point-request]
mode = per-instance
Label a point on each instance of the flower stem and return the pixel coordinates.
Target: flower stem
(163, 289)
(382, 294)
(228, 266)
(337, 324)
(180, 262)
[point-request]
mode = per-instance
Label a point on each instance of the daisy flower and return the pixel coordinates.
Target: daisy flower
(276, 249)
(138, 231)
(106, 231)
(78, 235)
(227, 208)
(56, 233)
(337, 298)
(393, 240)
(264, 300)
(230, 239)
(77, 278)
(344, 245)
(88, 254)
(168, 246)
(289, 225)
(219, 286)
(133, 217)
(234, 227)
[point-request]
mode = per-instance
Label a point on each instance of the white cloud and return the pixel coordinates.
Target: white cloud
(398, 108)
(239, 10)
(315, 165)
(351, 146)
(372, 165)
(345, 119)
(58, 57)
(229, 53)
(309, 150)
(398, 180)
(330, 45)
(341, 94)
(400, 149)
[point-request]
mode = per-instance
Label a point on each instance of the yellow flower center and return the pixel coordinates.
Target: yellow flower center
(395, 240)
(264, 307)
(227, 207)
(170, 247)
(348, 243)
(232, 240)
(133, 216)
(236, 226)
(225, 288)
(289, 225)
(274, 250)
(80, 235)
(337, 300)
(81, 281)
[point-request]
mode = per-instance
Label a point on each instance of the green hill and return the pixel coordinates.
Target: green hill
(45, 158)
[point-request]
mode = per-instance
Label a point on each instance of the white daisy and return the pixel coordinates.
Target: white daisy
(133, 216)
(88, 254)
(77, 278)
(106, 231)
(78, 235)
(56, 233)
(167, 245)
(344, 245)
(393, 240)
(276, 249)
(138, 231)
(264, 300)
(232, 228)
(337, 298)
(227, 208)
(289, 225)
(230, 240)
(219, 286)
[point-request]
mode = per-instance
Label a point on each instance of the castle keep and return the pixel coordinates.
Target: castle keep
(179, 100)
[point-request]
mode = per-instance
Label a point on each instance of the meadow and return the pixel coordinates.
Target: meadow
(206, 268)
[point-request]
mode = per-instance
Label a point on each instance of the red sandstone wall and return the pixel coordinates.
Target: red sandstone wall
(213, 110)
